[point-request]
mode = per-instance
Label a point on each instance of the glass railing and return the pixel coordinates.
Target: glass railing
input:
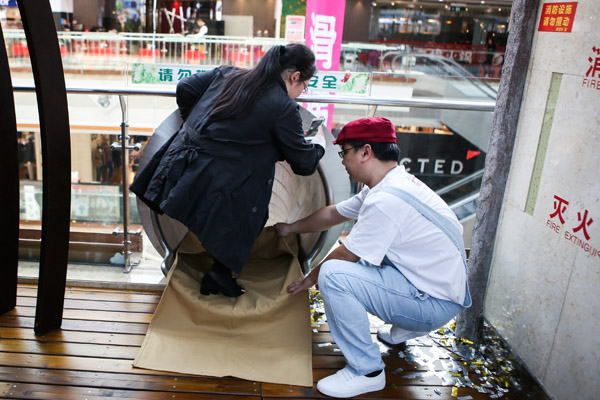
(102, 51)
(91, 203)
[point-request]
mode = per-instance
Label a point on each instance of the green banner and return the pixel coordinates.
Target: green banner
(324, 82)
(164, 74)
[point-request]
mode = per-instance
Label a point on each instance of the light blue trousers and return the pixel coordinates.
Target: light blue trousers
(351, 289)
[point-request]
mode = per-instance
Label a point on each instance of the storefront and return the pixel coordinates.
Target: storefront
(474, 34)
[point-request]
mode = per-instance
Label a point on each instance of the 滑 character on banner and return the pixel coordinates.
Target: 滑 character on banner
(323, 36)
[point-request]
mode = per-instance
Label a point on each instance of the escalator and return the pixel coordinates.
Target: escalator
(437, 76)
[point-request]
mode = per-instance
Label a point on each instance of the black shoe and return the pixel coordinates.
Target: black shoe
(208, 286)
(398, 346)
(213, 283)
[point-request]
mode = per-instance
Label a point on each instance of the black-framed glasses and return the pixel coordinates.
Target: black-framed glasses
(305, 87)
(344, 151)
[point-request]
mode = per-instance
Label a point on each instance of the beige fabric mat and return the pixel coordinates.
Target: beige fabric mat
(263, 335)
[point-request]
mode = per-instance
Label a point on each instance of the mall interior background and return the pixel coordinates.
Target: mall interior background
(472, 34)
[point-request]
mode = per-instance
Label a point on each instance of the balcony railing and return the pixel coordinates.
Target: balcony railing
(105, 51)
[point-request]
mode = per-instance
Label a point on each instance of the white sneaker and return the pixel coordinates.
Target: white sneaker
(395, 336)
(345, 384)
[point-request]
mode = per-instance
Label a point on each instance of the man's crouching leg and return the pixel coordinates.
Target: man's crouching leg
(350, 290)
(343, 284)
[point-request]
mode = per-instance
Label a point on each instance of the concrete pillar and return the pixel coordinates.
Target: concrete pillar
(498, 160)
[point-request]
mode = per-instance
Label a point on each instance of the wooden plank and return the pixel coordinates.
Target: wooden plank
(397, 378)
(4, 389)
(99, 294)
(69, 349)
(73, 363)
(84, 363)
(93, 359)
(75, 325)
(182, 383)
(391, 391)
(116, 339)
(421, 352)
(85, 315)
(52, 392)
(338, 362)
(70, 304)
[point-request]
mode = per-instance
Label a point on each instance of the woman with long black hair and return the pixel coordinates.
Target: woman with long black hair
(216, 174)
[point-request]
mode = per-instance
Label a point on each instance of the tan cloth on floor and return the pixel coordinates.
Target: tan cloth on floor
(263, 335)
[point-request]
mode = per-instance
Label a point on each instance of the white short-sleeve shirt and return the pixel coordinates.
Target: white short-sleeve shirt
(388, 226)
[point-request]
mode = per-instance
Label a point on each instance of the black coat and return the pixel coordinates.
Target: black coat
(216, 177)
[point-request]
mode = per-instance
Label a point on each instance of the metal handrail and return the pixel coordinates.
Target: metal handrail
(464, 200)
(474, 80)
(462, 105)
(459, 183)
(180, 38)
(447, 66)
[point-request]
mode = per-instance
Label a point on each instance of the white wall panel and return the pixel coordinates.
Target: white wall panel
(543, 293)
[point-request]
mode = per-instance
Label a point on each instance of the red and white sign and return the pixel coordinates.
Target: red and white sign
(593, 70)
(294, 28)
(324, 30)
(579, 234)
(557, 17)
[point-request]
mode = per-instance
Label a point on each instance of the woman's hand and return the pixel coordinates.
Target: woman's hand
(282, 229)
(302, 284)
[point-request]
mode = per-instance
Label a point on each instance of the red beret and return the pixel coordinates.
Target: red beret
(372, 129)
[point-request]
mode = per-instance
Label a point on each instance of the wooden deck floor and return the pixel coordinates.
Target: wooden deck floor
(91, 358)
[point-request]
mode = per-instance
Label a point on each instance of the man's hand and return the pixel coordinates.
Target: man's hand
(339, 253)
(302, 284)
(282, 229)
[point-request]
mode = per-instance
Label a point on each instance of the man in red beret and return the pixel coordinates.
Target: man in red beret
(403, 261)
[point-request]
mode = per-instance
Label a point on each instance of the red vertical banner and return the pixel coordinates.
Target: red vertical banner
(324, 30)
